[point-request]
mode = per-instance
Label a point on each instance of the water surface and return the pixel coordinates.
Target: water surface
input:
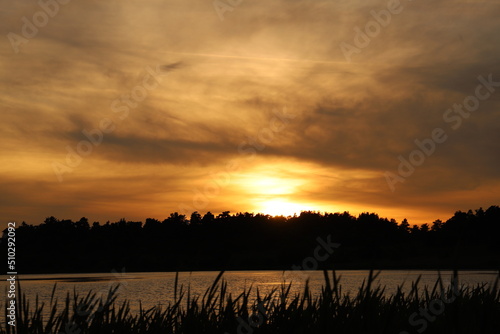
(153, 289)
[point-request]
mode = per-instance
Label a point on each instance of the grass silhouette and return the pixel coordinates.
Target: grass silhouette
(463, 309)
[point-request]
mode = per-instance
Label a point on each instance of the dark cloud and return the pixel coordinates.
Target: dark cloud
(173, 66)
(224, 79)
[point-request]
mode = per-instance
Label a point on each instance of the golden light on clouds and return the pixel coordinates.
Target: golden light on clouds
(217, 102)
(260, 183)
(273, 193)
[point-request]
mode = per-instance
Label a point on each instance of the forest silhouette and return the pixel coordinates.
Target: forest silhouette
(247, 241)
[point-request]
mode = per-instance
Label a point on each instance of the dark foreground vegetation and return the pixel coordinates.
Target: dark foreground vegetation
(468, 240)
(440, 309)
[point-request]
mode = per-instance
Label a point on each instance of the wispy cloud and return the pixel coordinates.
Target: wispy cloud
(223, 79)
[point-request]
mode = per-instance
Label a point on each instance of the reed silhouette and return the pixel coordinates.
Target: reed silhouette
(464, 309)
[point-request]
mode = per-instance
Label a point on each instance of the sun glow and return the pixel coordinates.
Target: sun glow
(271, 186)
(279, 207)
(281, 188)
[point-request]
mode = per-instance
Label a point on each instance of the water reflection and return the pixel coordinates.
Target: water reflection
(153, 289)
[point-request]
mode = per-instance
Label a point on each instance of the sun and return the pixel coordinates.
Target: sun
(274, 192)
(279, 207)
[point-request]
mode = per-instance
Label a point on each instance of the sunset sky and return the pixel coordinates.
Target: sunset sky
(253, 107)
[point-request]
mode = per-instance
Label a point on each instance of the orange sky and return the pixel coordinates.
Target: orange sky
(138, 109)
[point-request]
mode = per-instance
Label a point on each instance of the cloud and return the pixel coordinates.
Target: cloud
(224, 79)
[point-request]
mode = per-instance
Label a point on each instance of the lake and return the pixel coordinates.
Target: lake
(157, 288)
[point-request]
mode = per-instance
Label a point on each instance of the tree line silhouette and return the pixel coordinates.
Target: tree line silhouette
(257, 241)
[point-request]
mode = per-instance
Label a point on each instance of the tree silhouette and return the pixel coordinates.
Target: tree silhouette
(195, 218)
(258, 241)
(208, 218)
(404, 226)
